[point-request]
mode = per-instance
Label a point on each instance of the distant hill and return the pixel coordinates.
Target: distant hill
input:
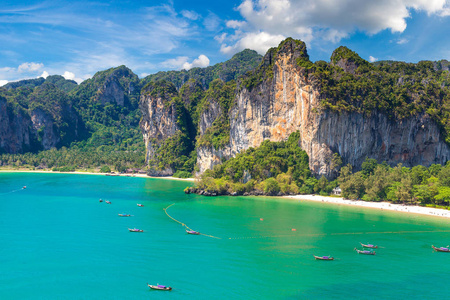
(231, 69)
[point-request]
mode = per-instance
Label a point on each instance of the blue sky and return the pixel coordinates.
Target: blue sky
(78, 38)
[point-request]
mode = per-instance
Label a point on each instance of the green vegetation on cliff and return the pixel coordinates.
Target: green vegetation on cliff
(218, 135)
(272, 168)
(239, 64)
(397, 89)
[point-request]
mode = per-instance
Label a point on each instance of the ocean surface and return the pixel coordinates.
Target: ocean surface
(57, 241)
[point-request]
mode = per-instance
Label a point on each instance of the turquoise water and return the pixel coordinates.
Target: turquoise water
(57, 241)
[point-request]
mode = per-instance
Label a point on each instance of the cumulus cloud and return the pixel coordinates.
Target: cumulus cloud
(68, 75)
(175, 63)
(3, 82)
(44, 75)
(202, 61)
(321, 19)
(29, 67)
(259, 42)
(181, 62)
(25, 70)
(372, 59)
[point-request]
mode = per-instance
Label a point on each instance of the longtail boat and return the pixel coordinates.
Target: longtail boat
(366, 252)
(441, 249)
(124, 215)
(108, 202)
(323, 257)
(140, 205)
(135, 230)
(369, 246)
(159, 287)
(192, 232)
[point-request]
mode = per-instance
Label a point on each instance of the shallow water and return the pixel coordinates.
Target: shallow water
(59, 242)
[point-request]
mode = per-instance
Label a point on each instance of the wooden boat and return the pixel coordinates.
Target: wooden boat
(441, 249)
(369, 246)
(108, 202)
(323, 257)
(366, 252)
(124, 215)
(159, 287)
(192, 232)
(135, 230)
(140, 205)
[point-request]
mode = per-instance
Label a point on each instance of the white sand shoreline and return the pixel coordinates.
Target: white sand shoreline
(94, 173)
(411, 209)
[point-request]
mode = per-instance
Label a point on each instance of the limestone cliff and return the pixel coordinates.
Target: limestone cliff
(158, 122)
(286, 97)
(38, 119)
(15, 134)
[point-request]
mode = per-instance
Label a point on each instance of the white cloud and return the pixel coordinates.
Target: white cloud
(44, 75)
(29, 67)
(174, 63)
(69, 75)
(181, 62)
(402, 41)
(3, 82)
(259, 42)
(202, 61)
(189, 14)
(372, 59)
(321, 19)
(212, 22)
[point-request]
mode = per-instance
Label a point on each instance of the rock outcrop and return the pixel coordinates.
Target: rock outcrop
(158, 122)
(288, 99)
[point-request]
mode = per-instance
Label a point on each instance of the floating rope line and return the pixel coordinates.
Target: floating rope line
(184, 225)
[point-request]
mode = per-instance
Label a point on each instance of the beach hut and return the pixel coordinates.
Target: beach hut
(337, 191)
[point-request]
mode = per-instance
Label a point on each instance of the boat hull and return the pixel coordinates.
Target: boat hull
(159, 288)
(441, 249)
(323, 257)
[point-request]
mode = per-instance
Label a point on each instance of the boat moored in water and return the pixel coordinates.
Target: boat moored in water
(108, 202)
(323, 257)
(140, 205)
(441, 249)
(159, 287)
(192, 232)
(101, 200)
(124, 215)
(366, 252)
(369, 246)
(135, 230)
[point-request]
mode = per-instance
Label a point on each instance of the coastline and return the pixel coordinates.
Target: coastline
(96, 173)
(410, 209)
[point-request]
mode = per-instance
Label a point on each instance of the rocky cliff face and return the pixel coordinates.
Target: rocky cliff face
(15, 134)
(158, 123)
(38, 119)
(288, 99)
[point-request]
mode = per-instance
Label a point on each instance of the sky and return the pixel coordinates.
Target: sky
(76, 39)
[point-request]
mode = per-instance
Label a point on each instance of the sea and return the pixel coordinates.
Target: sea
(58, 241)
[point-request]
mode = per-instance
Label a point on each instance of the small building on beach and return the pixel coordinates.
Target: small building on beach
(336, 191)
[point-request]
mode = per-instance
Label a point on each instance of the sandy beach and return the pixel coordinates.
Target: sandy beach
(412, 209)
(94, 173)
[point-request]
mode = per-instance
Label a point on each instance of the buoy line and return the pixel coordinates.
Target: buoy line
(184, 225)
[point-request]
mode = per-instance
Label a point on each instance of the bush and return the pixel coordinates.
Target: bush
(182, 174)
(105, 169)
